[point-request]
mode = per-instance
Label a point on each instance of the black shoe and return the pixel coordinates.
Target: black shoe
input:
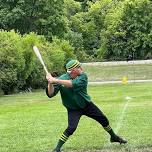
(118, 139)
(56, 150)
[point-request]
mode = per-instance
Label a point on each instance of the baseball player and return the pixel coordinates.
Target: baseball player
(73, 89)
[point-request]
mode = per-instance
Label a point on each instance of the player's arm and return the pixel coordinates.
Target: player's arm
(53, 80)
(51, 89)
(67, 83)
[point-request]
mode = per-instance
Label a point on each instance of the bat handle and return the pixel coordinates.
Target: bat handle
(46, 70)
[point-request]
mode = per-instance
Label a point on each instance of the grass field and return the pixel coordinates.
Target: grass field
(33, 123)
(117, 72)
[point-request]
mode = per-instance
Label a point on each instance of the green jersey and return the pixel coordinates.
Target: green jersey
(75, 97)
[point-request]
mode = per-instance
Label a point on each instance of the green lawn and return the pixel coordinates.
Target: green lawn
(117, 72)
(33, 123)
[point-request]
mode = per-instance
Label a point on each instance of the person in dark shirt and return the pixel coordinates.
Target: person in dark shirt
(73, 89)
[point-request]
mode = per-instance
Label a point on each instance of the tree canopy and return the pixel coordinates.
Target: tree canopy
(44, 17)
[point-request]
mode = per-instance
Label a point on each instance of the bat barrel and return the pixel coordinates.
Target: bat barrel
(37, 52)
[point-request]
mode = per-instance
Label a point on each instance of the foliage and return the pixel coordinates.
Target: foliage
(59, 51)
(20, 68)
(54, 54)
(100, 29)
(43, 17)
(84, 29)
(128, 31)
(12, 62)
(71, 8)
(89, 24)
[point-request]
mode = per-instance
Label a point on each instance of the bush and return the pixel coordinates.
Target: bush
(11, 61)
(20, 68)
(54, 55)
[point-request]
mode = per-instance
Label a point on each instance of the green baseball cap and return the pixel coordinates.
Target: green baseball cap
(72, 64)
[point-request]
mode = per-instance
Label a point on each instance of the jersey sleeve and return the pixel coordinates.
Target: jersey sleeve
(56, 90)
(80, 82)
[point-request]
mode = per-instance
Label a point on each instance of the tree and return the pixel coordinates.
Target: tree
(89, 24)
(71, 8)
(43, 17)
(128, 31)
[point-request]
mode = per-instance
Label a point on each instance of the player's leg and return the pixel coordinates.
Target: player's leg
(95, 113)
(73, 120)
